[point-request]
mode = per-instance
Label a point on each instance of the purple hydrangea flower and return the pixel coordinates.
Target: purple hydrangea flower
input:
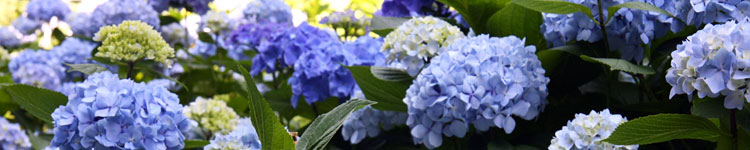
(286, 47)
(250, 36)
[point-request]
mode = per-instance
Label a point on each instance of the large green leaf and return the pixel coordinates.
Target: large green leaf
(389, 95)
(664, 127)
(555, 7)
(619, 64)
(270, 131)
(518, 21)
(390, 74)
(86, 68)
(205, 37)
(477, 12)
(196, 144)
(37, 101)
(321, 130)
(636, 5)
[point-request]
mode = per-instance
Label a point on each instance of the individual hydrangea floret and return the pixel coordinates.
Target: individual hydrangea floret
(132, 41)
(477, 80)
(26, 25)
(174, 33)
(105, 112)
(44, 10)
(250, 36)
(413, 8)
(38, 68)
(264, 11)
(212, 115)
(367, 122)
(586, 132)
(114, 12)
(417, 40)
(286, 47)
(244, 137)
(9, 37)
(713, 62)
(13, 137)
(197, 6)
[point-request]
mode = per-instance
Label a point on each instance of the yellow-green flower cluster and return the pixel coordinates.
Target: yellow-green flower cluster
(131, 41)
(213, 115)
(418, 40)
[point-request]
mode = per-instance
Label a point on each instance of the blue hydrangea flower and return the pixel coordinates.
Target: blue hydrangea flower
(262, 11)
(26, 25)
(12, 136)
(413, 8)
(250, 36)
(197, 6)
(318, 74)
(76, 51)
(203, 49)
(165, 83)
(287, 46)
(367, 122)
(478, 80)
(105, 112)
(44, 10)
(82, 24)
(9, 37)
(713, 62)
(588, 131)
(39, 68)
(243, 137)
(364, 51)
(113, 12)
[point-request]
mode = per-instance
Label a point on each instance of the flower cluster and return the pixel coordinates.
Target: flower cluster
(104, 112)
(114, 12)
(44, 10)
(346, 18)
(213, 115)
(197, 6)
(417, 40)
(479, 80)
(286, 47)
(82, 24)
(203, 49)
(713, 11)
(366, 122)
(216, 22)
(244, 137)
(9, 37)
(174, 33)
(588, 131)
(365, 51)
(13, 137)
(713, 62)
(250, 36)
(413, 8)
(39, 68)
(26, 25)
(263, 11)
(75, 51)
(132, 41)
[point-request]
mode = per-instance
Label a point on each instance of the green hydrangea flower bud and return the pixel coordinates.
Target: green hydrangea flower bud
(213, 115)
(132, 41)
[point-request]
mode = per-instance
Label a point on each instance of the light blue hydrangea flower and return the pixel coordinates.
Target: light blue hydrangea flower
(197, 6)
(105, 112)
(287, 46)
(44, 10)
(713, 62)
(262, 11)
(26, 25)
(174, 33)
(250, 36)
(9, 37)
(477, 80)
(82, 24)
(38, 68)
(364, 51)
(586, 132)
(12, 136)
(203, 49)
(367, 122)
(244, 137)
(114, 12)
(77, 51)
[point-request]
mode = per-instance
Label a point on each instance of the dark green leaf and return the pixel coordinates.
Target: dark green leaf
(196, 144)
(389, 95)
(87, 69)
(477, 12)
(38, 142)
(636, 5)
(270, 131)
(390, 74)
(205, 37)
(619, 64)
(518, 21)
(165, 20)
(39, 102)
(555, 7)
(664, 127)
(321, 130)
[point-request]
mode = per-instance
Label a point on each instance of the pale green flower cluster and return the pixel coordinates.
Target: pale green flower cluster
(586, 132)
(132, 41)
(213, 115)
(420, 37)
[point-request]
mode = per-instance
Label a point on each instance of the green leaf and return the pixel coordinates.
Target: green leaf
(384, 25)
(555, 7)
(389, 95)
(321, 130)
(636, 5)
(38, 142)
(270, 131)
(477, 12)
(518, 21)
(664, 127)
(390, 74)
(205, 37)
(196, 144)
(37, 101)
(87, 69)
(619, 64)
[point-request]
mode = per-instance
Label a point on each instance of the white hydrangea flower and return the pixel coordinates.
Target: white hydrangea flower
(588, 131)
(417, 40)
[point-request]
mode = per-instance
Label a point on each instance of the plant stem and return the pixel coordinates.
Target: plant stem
(733, 126)
(130, 69)
(601, 25)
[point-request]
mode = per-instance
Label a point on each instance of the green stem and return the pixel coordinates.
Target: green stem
(130, 69)
(602, 26)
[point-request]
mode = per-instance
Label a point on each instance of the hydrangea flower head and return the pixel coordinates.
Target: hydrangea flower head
(262, 11)
(345, 18)
(477, 80)
(713, 62)
(250, 36)
(203, 49)
(367, 122)
(82, 24)
(318, 74)
(75, 51)
(44, 10)
(26, 25)
(413, 8)
(418, 40)
(105, 112)
(174, 33)
(9, 37)
(114, 12)
(588, 131)
(288, 46)
(38, 68)
(364, 51)
(197, 6)
(217, 22)
(132, 41)
(211, 114)
(244, 137)
(13, 137)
